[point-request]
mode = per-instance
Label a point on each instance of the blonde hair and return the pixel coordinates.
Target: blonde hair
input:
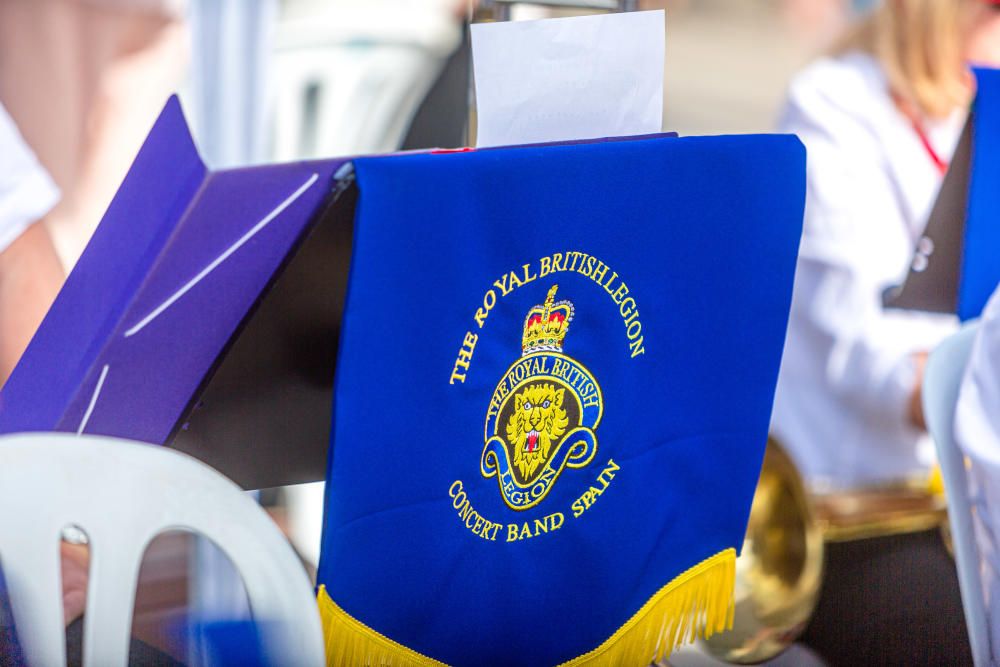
(919, 44)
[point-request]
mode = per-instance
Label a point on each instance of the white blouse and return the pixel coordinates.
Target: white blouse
(977, 431)
(848, 371)
(26, 191)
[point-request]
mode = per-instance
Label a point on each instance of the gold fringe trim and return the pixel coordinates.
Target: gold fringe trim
(698, 602)
(350, 642)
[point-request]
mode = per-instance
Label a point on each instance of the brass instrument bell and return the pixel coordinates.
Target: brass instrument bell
(780, 569)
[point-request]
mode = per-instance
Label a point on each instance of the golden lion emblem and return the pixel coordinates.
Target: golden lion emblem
(538, 421)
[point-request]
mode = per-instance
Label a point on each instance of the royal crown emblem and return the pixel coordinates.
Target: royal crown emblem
(543, 413)
(545, 326)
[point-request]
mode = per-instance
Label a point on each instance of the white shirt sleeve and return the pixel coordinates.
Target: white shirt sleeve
(977, 417)
(838, 312)
(977, 432)
(27, 192)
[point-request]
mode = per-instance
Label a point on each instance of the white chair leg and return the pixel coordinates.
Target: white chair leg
(36, 601)
(107, 624)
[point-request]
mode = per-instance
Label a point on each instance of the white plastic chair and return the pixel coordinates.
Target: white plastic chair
(942, 381)
(349, 76)
(122, 494)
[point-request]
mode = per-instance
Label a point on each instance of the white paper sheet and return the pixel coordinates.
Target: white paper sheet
(570, 78)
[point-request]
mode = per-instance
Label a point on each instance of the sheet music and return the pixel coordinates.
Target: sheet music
(582, 77)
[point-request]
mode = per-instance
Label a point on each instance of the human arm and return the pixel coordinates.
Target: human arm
(30, 272)
(30, 277)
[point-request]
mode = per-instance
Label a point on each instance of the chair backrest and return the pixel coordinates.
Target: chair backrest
(122, 494)
(349, 79)
(942, 381)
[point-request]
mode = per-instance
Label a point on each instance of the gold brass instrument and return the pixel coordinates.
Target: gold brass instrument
(907, 507)
(780, 570)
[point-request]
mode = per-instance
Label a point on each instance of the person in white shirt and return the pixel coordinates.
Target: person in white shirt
(977, 431)
(880, 118)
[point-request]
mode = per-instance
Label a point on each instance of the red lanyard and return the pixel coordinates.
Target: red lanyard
(942, 165)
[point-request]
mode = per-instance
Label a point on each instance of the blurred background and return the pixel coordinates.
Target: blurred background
(269, 80)
(283, 79)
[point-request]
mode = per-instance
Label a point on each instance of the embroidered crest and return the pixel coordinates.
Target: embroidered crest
(543, 413)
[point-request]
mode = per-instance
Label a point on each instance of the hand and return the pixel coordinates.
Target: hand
(916, 408)
(75, 571)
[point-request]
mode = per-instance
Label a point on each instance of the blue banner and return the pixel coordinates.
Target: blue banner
(553, 393)
(980, 270)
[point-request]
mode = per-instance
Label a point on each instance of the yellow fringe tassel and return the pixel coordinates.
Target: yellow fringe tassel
(350, 642)
(698, 602)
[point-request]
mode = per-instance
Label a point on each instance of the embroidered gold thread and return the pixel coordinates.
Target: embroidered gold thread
(543, 413)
